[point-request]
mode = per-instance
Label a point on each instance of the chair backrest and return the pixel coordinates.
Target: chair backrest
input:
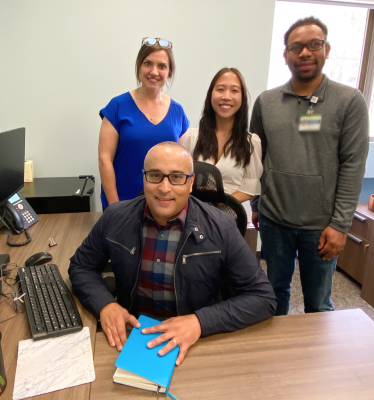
(234, 207)
(208, 187)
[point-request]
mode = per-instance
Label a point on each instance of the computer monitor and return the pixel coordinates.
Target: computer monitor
(12, 163)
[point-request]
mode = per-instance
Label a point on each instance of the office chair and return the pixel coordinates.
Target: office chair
(208, 187)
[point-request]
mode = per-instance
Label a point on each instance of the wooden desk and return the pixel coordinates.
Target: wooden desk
(310, 356)
(68, 230)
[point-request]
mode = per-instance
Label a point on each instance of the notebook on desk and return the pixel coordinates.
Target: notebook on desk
(140, 366)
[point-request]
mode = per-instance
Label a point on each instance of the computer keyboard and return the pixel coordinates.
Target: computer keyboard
(50, 306)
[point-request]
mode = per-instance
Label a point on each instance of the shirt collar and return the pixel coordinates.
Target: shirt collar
(181, 216)
(319, 92)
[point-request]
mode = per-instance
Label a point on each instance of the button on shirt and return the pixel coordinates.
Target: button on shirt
(156, 295)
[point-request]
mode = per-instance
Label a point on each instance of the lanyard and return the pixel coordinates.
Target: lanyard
(312, 102)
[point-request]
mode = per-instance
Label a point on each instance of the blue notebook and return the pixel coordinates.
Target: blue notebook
(141, 367)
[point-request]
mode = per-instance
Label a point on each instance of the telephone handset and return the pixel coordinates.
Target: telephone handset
(18, 213)
(14, 220)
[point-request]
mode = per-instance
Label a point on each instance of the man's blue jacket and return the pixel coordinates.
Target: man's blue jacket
(210, 250)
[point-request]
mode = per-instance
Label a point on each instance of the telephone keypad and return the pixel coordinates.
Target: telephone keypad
(27, 216)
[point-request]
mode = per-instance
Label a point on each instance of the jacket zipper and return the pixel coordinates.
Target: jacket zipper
(175, 270)
(136, 281)
(132, 251)
(137, 274)
(198, 254)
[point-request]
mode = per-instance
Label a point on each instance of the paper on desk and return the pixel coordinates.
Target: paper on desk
(44, 366)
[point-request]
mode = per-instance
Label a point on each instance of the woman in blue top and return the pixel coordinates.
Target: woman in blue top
(136, 121)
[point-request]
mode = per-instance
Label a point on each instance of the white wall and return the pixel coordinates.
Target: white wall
(63, 60)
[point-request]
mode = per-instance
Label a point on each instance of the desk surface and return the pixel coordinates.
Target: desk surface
(364, 209)
(313, 356)
(68, 230)
(310, 356)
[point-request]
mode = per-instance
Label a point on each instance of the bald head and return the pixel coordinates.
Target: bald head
(166, 200)
(165, 150)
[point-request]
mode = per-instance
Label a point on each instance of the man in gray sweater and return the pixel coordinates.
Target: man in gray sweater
(314, 135)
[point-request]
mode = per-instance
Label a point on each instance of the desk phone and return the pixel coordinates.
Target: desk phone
(19, 213)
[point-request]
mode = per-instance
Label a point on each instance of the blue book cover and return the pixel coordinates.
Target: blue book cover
(137, 358)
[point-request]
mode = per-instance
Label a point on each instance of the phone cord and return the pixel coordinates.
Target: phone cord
(28, 240)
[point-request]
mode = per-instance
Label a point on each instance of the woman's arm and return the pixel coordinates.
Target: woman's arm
(252, 174)
(189, 138)
(242, 196)
(108, 142)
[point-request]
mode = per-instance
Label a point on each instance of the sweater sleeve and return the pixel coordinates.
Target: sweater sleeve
(256, 126)
(353, 150)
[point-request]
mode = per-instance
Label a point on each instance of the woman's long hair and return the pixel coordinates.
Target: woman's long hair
(239, 145)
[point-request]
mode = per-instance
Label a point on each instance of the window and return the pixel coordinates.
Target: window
(346, 35)
(351, 39)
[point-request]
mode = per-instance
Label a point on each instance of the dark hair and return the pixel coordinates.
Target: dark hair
(145, 51)
(238, 145)
(305, 21)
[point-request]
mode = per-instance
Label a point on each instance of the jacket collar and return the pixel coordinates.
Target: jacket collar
(192, 224)
(319, 92)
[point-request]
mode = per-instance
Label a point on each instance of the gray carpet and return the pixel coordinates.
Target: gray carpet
(346, 294)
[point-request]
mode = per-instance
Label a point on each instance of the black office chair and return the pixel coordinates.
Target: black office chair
(208, 187)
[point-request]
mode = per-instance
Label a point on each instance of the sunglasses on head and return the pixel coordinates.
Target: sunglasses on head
(148, 41)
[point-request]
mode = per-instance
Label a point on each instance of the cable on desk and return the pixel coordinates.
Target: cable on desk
(14, 292)
(170, 395)
(4, 320)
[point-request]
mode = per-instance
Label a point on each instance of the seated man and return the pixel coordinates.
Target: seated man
(170, 254)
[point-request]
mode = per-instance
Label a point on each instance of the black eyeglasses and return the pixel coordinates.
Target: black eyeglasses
(148, 41)
(312, 45)
(175, 179)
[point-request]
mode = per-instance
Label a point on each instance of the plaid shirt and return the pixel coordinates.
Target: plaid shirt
(156, 296)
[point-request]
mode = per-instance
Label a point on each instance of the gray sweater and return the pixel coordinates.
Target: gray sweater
(311, 180)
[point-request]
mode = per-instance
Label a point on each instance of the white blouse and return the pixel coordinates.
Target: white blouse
(246, 180)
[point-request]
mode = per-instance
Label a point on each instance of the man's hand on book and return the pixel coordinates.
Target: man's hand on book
(179, 331)
(113, 320)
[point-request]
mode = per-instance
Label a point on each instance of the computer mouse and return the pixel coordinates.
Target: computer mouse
(38, 259)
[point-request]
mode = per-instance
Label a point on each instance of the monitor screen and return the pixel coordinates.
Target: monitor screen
(12, 163)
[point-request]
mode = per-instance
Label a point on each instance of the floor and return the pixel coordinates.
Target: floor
(345, 294)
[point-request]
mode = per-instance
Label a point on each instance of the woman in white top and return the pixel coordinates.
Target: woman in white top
(222, 138)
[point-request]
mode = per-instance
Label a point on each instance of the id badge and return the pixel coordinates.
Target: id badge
(310, 123)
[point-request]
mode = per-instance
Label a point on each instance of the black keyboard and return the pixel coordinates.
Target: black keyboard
(50, 306)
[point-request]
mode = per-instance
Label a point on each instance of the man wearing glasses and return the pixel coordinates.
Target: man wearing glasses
(169, 254)
(314, 134)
